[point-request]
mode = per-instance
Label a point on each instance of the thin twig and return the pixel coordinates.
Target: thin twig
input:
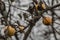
(31, 25)
(53, 25)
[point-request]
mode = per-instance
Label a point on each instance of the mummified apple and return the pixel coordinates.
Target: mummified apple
(36, 6)
(21, 28)
(43, 6)
(10, 30)
(47, 20)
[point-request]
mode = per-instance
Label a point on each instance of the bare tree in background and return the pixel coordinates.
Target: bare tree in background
(36, 10)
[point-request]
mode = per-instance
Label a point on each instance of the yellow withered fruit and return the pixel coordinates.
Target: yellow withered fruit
(43, 6)
(36, 6)
(47, 20)
(21, 28)
(11, 31)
